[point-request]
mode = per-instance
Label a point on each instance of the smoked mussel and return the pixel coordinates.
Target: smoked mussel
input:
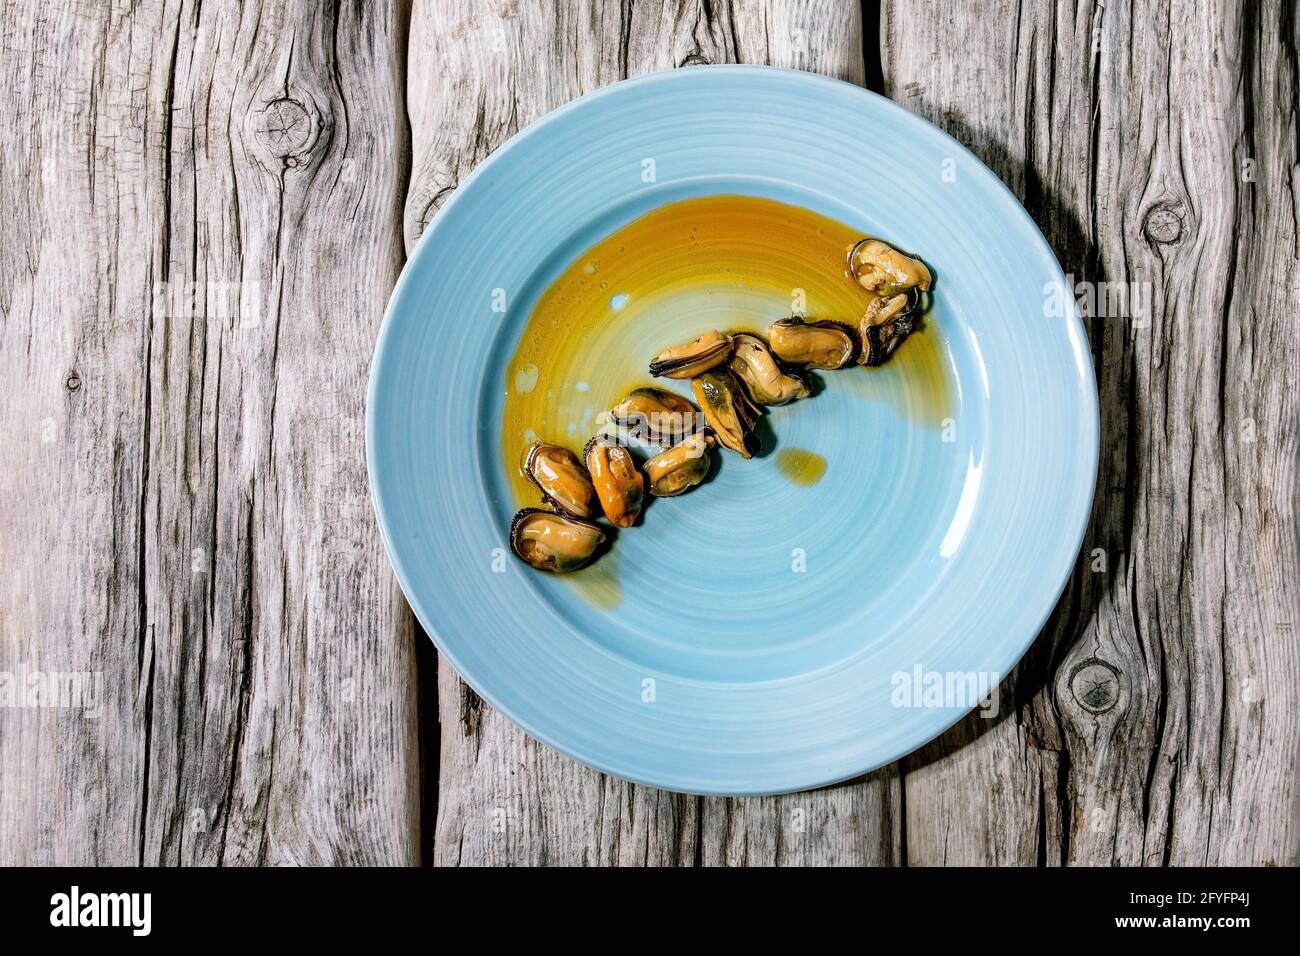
(562, 478)
(686, 361)
(882, 269)
(656, 415)
(884, 325)
(823, 344)
(551, 541)
(898, 282)
(728, 410)
(619, 485)
(765, 381)
(681, 467)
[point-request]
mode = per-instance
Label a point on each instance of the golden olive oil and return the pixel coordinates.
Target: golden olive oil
(800, 466)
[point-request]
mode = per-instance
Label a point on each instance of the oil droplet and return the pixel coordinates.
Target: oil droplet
(526, 378)
(800, 466)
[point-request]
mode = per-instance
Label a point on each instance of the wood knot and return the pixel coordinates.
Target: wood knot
(1096, 685)
(72, 382)
(1163, 223)
(284, 128)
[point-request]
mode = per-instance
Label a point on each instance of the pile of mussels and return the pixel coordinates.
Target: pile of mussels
(732, 376)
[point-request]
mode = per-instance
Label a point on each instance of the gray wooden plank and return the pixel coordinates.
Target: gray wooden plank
(186, 507)
(478, 73)
(1156, 146)
(194, 485)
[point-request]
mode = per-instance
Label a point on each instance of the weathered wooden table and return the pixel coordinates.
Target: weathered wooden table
(205, 208)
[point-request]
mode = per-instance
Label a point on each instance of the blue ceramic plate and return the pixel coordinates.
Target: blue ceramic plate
(767, 637)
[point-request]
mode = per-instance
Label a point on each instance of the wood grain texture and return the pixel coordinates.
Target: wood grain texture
(1156, 147)
(186, 508)
(478, 73)
(184, 514)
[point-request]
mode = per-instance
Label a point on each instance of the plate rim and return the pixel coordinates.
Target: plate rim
(1090, 427)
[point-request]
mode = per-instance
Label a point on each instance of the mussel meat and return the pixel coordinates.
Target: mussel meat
(681, 467)
(562, 478)
(885, 324)
(619, 485)
(728, 410)
(757, 369)
(812, 344)
(551, 541)
(656, 415)
(686, 361)
(882, 269)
